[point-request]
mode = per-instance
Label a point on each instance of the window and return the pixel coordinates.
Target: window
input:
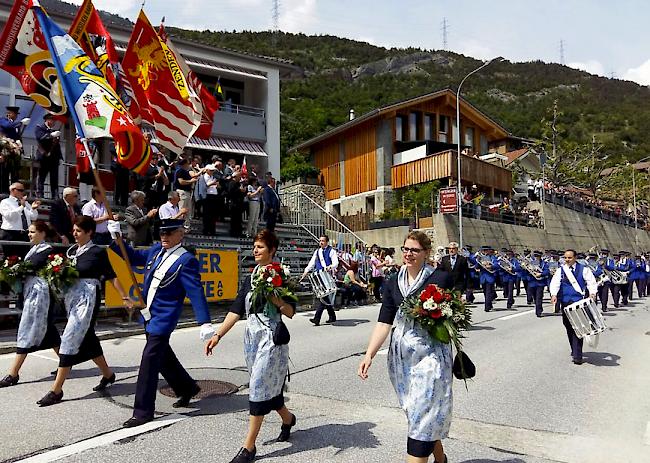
(400, 128)
(454, 134)
(469, 137)
(414, 126)
(5, 79)
(428, 127)
(443, 129)
(484, 144)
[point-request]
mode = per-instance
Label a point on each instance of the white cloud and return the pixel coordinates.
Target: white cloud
(590, 66)
(297, 15)
(120, 7)
(475, 49)
(640, 74)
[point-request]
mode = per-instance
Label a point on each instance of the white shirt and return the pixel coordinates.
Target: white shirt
(12, 212)
(587, 275)
(212, 189)
(168, 211)
(95, 210)
(312, 263)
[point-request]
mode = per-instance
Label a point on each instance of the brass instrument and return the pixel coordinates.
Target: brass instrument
(553, 265)
(603, 277)
(533, 269)
(505, 263)
(466, 254)
(485, 262)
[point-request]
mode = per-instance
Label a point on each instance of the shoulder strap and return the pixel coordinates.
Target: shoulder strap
(158, 276)
(572, 279)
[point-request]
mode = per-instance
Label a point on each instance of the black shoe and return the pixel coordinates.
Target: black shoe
(487, 310)
(133, 422)
(577, 361)
(104, 383)
(184, 400)
(313, 320)
(9, 381)
(50, 398)
(285, 430)
(331, 320)
(244, 456)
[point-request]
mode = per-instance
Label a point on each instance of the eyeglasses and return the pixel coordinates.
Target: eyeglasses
(406, 250)
(19, 189)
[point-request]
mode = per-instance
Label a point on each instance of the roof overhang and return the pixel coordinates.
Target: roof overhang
(221, 144)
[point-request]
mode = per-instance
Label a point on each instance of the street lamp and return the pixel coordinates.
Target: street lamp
(460, 202)
(636, 236)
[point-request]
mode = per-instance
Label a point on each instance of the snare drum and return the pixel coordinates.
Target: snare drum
(585, 318)
(323, 285)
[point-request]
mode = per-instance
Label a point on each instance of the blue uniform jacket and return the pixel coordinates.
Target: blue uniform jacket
(507, 277)
(534, 282)
(182, 279)
(637, 272)
(9, 128)
(487, 277)
(609, 264)
(599, 269)
(624, 267)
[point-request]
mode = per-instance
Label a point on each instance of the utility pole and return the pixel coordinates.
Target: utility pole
(562, 52)
(445, 29)
(275, 17)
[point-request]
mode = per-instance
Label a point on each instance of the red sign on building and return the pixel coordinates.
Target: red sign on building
(448, 201)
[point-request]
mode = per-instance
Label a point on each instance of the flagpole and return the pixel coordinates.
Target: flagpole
(118, 238)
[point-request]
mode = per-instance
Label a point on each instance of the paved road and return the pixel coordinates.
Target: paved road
(528, 403)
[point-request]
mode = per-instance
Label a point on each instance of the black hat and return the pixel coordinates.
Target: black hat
(486, 248)
(47, 116)
(15, 109)
(606, 251)
(592, 254)
(469, 247)
(537, 253)
(580, 255)
(171, 224)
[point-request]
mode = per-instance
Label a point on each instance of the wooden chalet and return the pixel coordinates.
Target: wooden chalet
(407, 143)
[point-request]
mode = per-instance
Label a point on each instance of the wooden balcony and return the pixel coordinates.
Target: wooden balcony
(442, 166)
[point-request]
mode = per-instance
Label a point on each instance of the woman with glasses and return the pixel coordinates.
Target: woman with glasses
(36, 330)
(420, 368)
(79, 343)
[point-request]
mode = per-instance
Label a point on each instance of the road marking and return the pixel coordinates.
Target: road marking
(646, 437)
(104, 439)
(383, 352)
(41, 356)
(515, 315)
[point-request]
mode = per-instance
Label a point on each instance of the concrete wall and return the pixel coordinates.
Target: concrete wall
(386, 238)
(564, 229)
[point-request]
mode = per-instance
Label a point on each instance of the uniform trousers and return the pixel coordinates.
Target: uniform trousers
(630, 289)
(529, 294)
(618, 292)
(51, 168)
(490, 293)
(537, 293)
(509, 292)
(320, 307)
(159, 358)
(574, 341)
(640, 288)
(603, 294)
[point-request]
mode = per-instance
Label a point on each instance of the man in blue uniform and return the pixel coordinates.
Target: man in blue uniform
(473, 276)
(11, 128)
(607, 264)
(171, 274)
(49, 155)
(538, 282)
(572, 282)
(487, 275)
(325, 259)
(508, 279)
(621, 290)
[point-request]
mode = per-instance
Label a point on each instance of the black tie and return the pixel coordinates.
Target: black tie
(23, 217)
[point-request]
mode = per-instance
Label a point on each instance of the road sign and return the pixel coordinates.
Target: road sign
(448, 201)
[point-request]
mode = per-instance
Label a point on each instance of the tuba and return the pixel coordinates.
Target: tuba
(531, 268)
(485, 262)
(466, 254)
(505, 263)
(603, 277)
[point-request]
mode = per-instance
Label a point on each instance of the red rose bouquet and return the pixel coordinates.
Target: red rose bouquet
(59, 273)
(271, 280)
(442, 313)
(13, 271)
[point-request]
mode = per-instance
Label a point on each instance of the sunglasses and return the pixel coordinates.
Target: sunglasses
(19, 189)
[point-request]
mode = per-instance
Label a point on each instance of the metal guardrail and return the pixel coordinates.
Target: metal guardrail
(592, 210)
(241, 109)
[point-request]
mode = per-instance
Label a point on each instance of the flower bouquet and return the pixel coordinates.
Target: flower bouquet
(270, 280)
(12, 273)
(440, 312)
(59, 274)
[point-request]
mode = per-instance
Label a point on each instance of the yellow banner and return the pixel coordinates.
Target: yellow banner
(176, 71)
(219, 274)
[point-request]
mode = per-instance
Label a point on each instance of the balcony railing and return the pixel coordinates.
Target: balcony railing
(241, 109)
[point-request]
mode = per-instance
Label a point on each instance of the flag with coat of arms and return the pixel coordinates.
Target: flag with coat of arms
(94, 106)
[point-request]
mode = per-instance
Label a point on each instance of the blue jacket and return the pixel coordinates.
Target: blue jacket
(567, 294)
(9, 128)
(271, 199)
(182, 279)
(609, 264)
(638, 272)
(534, 282)
(624, 267)
(507, 277)
(487, 277)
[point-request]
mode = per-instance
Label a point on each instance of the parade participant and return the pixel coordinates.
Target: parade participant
(597, 270)
(570, 282)
(456, 266)
(637, 277)
(11, 128)
(420, 367)
(538, 282)
(36, 330)
(553, 265)
(79, 343)
(508, 279)
(621, 290)
(646, 267)
(473, 279)
(607, 264)
(268, 363)
(487, 266)
(48, 155)
(171, 275)
(323, 259)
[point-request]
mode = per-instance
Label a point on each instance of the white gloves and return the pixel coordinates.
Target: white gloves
(25, 121)
(56, 134)
(114, 228)
(207, 331)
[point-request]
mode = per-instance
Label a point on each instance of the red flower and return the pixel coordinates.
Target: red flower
(437, 313)
(448, 297)
(423, 313)
(51, 257)
(56, 269)
(438, 297)
(277, 281)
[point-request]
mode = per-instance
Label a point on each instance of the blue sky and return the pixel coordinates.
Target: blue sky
(603, 37)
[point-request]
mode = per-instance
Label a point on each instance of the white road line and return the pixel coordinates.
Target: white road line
(515, 315)
(104, 439)
(646, 437)
(383, 352)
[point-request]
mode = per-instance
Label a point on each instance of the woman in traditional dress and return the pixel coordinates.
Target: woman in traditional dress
(79, 343)
(267, 363)
(36, 330)
(419, 366)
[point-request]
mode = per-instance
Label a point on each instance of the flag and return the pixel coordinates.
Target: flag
(210, 107)
(218, 91)
(89, 32)
(24, 54)
(96, 109)
(244, 168)
(158, 82)
(83, 162)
